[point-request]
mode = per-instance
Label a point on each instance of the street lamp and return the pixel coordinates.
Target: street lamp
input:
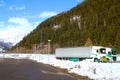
(48, 50)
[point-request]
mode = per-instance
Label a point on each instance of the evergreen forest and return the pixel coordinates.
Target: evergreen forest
(96, 20)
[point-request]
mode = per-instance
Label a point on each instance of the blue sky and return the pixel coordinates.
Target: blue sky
(19, 17)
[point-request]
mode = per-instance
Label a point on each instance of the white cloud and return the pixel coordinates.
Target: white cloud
(18, 20)
(47, 14)
(22, 24)
(16, 28)
(10, 35)
(16, 8)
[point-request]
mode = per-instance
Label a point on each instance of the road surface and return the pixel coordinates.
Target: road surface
(23, 69)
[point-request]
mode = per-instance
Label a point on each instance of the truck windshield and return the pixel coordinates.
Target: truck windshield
(103, 51)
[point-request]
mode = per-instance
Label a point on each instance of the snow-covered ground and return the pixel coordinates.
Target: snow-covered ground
(94, 70)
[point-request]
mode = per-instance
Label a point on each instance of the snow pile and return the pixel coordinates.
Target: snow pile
(98, 71)
(94, 70)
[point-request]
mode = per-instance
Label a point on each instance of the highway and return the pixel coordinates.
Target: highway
(23, 69)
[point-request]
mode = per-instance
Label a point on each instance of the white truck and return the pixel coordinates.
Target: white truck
(97, 53)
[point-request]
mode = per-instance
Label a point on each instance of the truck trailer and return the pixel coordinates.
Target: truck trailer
(97, 53)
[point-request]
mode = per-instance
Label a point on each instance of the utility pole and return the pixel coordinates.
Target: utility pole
(96, 20)
(79, 22)
(41, 41)
(104, 22)
(16, 40)
(41, 38)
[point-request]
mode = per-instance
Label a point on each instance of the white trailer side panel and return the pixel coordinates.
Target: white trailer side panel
(80, 52)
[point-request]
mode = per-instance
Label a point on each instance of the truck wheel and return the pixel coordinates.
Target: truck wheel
(108, 60)
(95, 60)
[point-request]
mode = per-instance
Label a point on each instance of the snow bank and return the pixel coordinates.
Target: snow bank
(94, 70)
(98, 71)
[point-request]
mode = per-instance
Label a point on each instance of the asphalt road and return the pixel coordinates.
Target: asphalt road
(23, 69)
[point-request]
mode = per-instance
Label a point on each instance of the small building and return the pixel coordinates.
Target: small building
(2, 49)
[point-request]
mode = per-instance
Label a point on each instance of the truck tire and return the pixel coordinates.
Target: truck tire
(95, 60)
(108, 60)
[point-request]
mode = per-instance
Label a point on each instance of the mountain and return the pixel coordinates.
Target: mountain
(6, 45)
(97, 20)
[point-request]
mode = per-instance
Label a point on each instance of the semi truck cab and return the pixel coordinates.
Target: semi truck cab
(112, 53)
(105, 55)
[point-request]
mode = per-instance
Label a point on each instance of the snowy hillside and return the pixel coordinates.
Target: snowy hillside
(94, 70)
(6, 45)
